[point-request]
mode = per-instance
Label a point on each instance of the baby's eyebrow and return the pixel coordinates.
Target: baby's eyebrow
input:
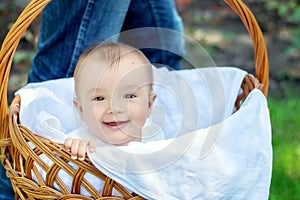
(95, 90)
(131, 86)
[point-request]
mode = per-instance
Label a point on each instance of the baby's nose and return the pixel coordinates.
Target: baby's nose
(115, 107)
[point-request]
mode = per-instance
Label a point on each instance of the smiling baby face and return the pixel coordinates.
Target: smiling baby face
(114, 97)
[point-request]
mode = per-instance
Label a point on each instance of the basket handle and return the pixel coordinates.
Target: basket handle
(260, 49)
(33, 9)
(7, 52)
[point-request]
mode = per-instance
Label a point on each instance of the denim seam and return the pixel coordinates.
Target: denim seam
(157, 25)
(80, 36)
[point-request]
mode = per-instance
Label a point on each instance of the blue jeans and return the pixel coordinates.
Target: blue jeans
(6, 191)
(67, 29)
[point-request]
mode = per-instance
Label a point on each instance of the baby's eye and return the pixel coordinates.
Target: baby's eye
(130, 96)
(98, 99)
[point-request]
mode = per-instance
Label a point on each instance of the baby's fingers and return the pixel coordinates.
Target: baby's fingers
(78, 149)
(92, 146)
(68, 143)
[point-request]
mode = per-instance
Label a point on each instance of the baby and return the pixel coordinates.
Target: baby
(114, 96)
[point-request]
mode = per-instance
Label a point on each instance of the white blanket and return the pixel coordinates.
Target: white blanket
(229, 160)
(211, 154)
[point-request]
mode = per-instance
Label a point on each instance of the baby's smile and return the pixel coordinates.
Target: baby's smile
(115, 125)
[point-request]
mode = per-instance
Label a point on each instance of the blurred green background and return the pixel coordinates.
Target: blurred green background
(220, 32)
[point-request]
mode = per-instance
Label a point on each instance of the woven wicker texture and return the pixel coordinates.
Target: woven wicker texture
(21, 150)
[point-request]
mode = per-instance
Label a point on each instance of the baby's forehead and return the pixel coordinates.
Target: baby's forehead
(131, 68)
(131, 62)
(122, 76)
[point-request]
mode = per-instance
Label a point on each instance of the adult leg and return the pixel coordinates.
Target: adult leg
(153, 13)
(68, 28)
(6, 191)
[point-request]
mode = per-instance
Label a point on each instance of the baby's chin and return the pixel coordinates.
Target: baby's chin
(116, 141)
(116, 138)
(124, 142)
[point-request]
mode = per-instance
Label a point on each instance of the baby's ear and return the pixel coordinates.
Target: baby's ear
(152, 98)
(78, 106)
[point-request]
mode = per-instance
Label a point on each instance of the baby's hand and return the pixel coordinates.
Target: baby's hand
(78, 147)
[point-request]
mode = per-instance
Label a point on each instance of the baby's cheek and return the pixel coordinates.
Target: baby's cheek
(92, 119)
(138, 116)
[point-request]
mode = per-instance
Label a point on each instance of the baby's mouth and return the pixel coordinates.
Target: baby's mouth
(115, 124)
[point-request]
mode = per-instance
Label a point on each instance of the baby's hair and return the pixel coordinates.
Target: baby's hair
(109, 54)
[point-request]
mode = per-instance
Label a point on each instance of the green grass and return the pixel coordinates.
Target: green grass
(285, 119)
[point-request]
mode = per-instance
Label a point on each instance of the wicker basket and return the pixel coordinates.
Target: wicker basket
(16, 141)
